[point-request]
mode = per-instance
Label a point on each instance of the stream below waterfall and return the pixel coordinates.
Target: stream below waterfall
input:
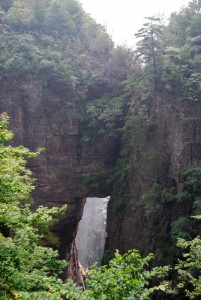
(92, 232)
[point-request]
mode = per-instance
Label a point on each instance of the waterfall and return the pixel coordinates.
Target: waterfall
(92, 232)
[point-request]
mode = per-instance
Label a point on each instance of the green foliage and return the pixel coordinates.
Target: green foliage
(192, 182)
(160, 200)
(30, 271)
(180, 229)
(97, 179)
(187, 278)
(120, 186)
(45, 39)
(156, 199)
(57, 43)
(150, 48)
(104, 114)
(27, 269)
(102, 110)
(181, 73)
(126, 277)
(192, 179)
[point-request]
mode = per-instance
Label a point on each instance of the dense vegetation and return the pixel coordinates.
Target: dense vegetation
(57, 43)
(29, 270)
(167, 65)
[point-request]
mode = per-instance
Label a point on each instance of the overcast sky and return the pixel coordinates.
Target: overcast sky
(123, 18)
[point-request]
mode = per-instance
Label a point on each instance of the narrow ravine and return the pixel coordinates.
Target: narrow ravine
(92, 232)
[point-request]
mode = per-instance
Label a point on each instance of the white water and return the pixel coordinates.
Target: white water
(92, 231)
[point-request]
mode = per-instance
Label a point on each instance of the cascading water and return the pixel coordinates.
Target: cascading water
(92, 232)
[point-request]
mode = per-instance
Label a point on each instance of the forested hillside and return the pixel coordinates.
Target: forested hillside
(61, 84)
(60, 45)
(165, 101)
(156, 189)
(113, 121)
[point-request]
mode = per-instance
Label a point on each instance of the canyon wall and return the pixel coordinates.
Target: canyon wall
(64, 171)
(110, 121)
(69, 169)
(163, 146)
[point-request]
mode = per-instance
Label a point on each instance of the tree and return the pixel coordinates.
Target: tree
(182, 57)
(189, 268)
(28, 270)
(126, 277)
(149, 47)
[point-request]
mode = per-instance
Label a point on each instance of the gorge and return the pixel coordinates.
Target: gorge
(112, 121)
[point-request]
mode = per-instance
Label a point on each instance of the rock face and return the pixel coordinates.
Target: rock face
(68, 170)
(40, 119)
(170, 143)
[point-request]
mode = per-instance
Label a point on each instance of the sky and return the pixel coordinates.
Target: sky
(123, 18)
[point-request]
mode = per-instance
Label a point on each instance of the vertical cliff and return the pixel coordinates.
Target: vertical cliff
(161, 149)
(64, 169)
(157, 179)
(111, 121)
(54, 61)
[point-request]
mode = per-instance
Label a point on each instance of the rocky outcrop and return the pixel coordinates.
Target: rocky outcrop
(161, 149)
(69, 169)
(41, 118)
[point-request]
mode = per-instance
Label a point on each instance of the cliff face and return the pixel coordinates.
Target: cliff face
(63, 169)
(60, 76)
(161, 150)
(67, 89)
(68, 170)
